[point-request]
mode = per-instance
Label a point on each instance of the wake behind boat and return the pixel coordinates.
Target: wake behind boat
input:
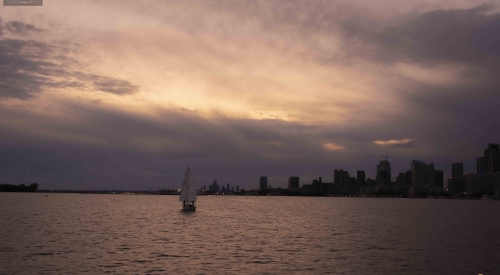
(188, 193)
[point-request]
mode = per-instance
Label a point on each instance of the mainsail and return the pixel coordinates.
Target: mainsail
(188, 191)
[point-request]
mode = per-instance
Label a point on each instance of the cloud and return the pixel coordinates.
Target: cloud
(332, 146)
(113, 85)
(392, 141)
(18, 27)
(28, 67)
(442, 35)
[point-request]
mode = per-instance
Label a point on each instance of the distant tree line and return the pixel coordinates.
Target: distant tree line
(19, 188)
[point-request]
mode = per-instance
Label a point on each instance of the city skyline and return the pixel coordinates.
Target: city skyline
(95, 95)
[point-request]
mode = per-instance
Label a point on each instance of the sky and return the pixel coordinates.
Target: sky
(128, 94)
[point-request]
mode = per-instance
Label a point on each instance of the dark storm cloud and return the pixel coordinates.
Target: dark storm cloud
(23, 72)
(18, 166)
(132, 150)
(27, 67)
(467, 36)
(18, 27)
(108, 84)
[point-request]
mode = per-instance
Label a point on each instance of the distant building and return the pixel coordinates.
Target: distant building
(497, 186)
(214, 188)
(457, 185)
(361, 177)
(342, 181)
(457, 170)
(227, 188)
(263, 184)
(401, 179)
(369, 181)
(438, 179)
(491, 156)
(418, 172)
(237, 188)
(409, 179)
(293, 182)
(337, 173)
(429, 174)
(317, 188)
(384, 173)
(481, 184)
(354, 184)
(480, 165)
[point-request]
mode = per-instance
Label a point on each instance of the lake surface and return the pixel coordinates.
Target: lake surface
(148, 234)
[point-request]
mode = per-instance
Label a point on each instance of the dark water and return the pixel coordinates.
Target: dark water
(141, 234)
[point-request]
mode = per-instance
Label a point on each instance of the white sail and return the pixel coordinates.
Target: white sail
(188, 191)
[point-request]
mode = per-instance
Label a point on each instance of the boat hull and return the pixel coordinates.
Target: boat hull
(189, 207)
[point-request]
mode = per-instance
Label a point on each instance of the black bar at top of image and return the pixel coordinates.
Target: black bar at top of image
(22, 2)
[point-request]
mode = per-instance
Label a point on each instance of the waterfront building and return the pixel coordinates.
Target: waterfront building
(457, 185)
(497, 186)
(481, 184)
(429, 174)
(317, 188)
(342, 181)
(438, 179)
(491, 156)
(371, 182)
(409, 179)
(384, 173)
(293, 182)
(361, 177)
(401, 179)
(263, 184)
(418, 172)
(214, 188)
(480, 165)
(457, 170)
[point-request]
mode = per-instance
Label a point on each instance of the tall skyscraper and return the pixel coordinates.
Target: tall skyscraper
(438, 178)
(429, 174)
(336, 176)
(384, 173)
(418, 171)
(409, 178)
(457, 170)
(263, 184)
(293, 182)
(401, 179)
(481, 165)
(491, 156)
(342, 180)
(361, 177)
(214, 187)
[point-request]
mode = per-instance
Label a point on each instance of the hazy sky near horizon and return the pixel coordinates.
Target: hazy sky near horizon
(126, 95)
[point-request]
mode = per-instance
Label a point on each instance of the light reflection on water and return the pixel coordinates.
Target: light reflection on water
(72, 233)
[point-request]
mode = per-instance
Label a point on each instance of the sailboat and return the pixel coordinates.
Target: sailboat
(188, 193)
